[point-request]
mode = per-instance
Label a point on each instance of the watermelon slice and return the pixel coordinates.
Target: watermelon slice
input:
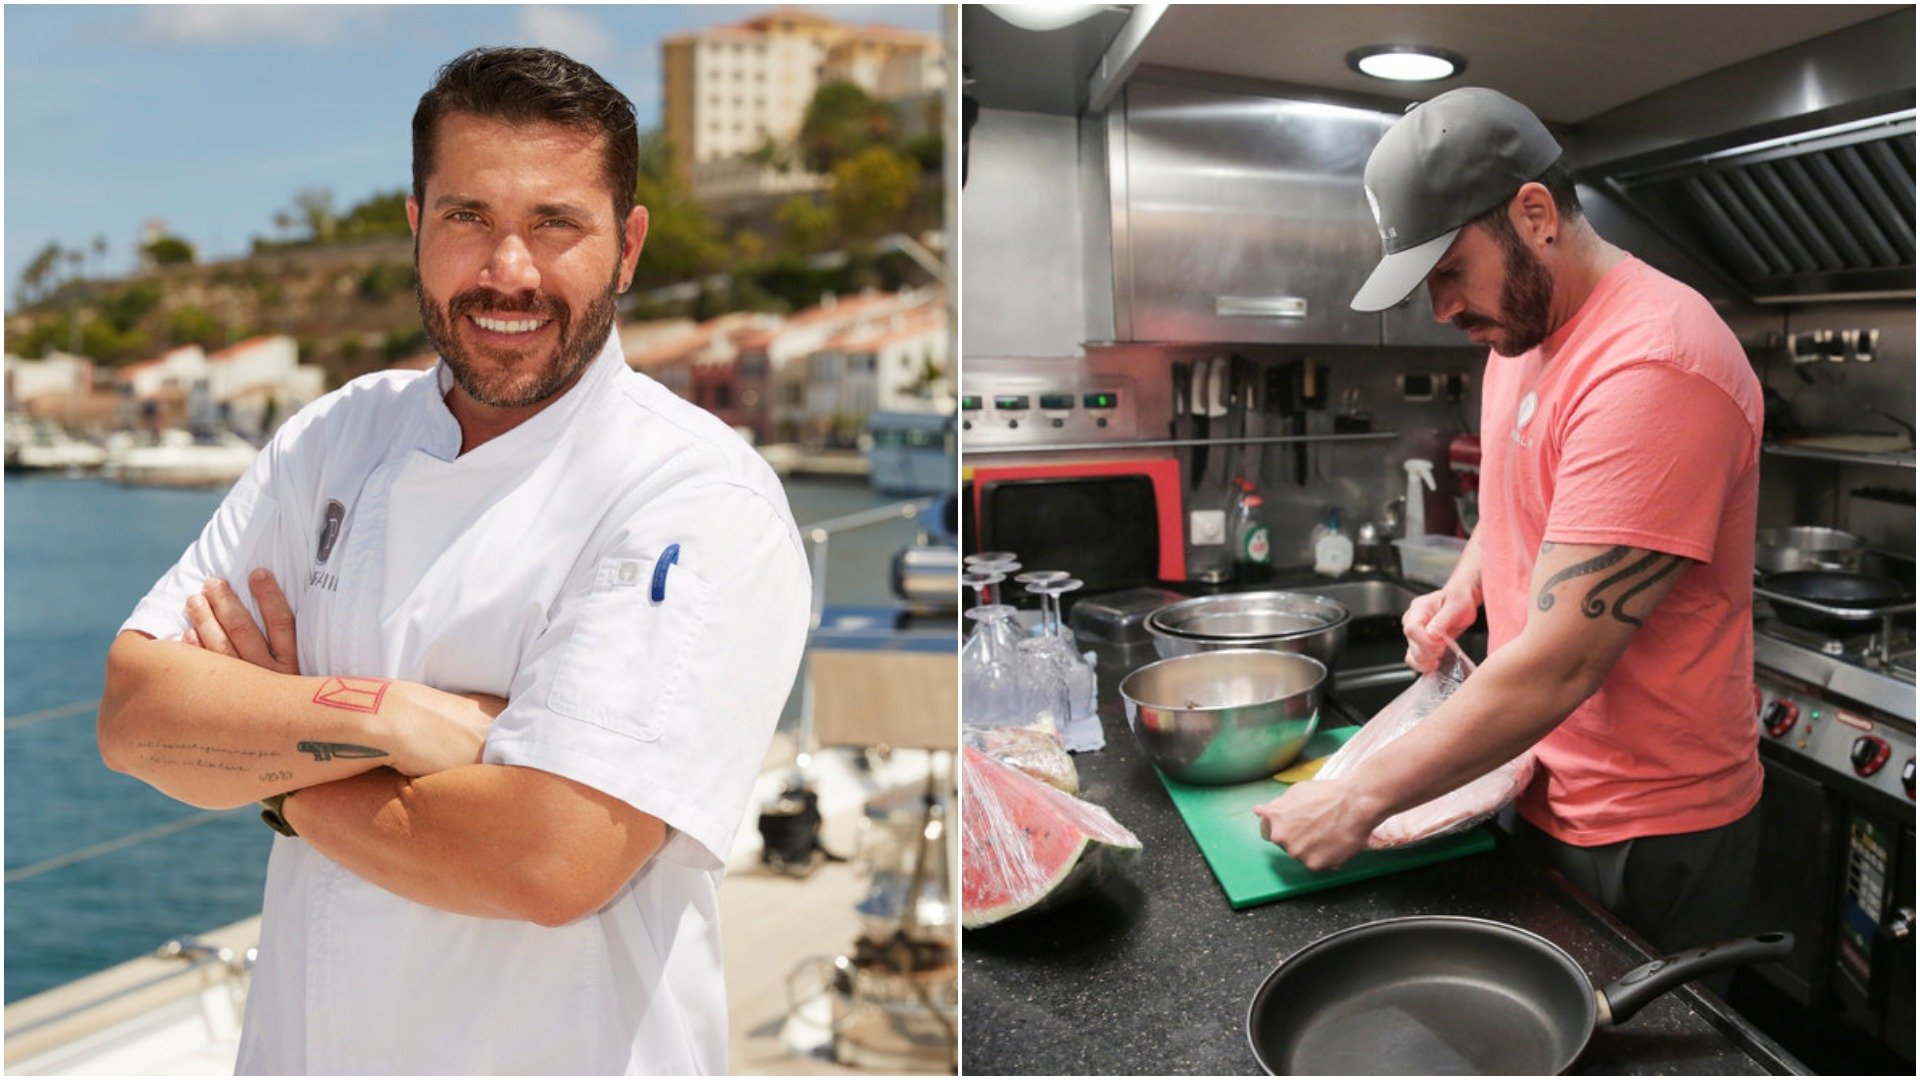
(1026, 847)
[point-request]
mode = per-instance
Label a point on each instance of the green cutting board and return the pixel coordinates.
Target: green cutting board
(1254, 871)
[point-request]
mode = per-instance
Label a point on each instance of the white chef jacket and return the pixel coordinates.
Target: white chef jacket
(527, 568)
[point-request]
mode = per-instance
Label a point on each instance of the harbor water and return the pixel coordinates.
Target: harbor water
(101, 868)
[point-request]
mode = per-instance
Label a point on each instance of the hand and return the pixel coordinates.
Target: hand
(443, 730)
(1432, 622)
(218, 622)
(1321, 823)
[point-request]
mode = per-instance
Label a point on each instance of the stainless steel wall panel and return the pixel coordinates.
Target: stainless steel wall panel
(1022, 278)
(1238, 202)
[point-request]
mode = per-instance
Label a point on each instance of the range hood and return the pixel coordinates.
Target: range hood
(1824, 214)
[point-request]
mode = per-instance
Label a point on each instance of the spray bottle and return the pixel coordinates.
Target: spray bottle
(1419, 472)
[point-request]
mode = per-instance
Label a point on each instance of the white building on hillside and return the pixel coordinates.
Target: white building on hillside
(731, 90)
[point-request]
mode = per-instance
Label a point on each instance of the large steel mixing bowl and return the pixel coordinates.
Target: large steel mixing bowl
(1225, 717)
(1296, 622)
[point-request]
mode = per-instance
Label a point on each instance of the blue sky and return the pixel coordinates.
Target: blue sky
(212, 117)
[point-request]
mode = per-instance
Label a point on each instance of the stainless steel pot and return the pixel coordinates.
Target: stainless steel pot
(1225, 717)
(1294, 622)
(1806, 547)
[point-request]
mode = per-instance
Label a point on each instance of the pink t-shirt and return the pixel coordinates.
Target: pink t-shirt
(1637, 422)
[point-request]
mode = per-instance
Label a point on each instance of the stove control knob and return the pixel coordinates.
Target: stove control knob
(1869, 753)
(1780, 717)
(1906, 778)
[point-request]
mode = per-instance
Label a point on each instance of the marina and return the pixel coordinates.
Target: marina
(87, 989)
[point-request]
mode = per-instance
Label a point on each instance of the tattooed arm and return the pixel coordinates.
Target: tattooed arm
(1586, 603)
(496, 841)
(224, 723)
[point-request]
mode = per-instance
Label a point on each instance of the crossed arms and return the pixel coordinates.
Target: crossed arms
(1586, 602)
(385, 774)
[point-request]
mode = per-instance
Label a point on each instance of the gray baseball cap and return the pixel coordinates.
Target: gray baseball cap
(1444, 163)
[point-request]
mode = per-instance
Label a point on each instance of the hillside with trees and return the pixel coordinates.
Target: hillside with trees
(339, 278)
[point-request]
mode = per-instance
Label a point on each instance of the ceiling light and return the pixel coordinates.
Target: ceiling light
(1044, 16)
(1406, 63)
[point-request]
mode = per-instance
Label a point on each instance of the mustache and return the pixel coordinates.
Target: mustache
(1472, 322)
(528, 303)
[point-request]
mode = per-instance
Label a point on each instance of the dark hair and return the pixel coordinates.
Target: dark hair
(522, 86)
(1558, 180)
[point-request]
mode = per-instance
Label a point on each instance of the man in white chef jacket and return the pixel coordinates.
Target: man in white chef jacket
(513, 637)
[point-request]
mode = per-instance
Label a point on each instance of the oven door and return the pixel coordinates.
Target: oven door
(1797, 868)
(1113, 525)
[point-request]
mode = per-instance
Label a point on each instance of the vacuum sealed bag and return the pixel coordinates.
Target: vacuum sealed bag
(1035, 751)
(1456, 811)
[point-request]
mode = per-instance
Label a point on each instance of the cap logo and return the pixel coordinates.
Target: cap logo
(1387, 232)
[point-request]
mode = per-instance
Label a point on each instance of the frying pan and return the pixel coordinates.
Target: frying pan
(1834, 589)
(1449, 994)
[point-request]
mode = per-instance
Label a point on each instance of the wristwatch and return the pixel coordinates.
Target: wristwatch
(270, 813)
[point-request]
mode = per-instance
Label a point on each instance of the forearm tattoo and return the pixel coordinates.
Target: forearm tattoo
(327, 751)
(352, 694)
(1639, 576)
(200, 755)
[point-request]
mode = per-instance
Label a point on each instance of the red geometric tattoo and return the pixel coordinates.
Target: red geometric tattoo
(353, 695)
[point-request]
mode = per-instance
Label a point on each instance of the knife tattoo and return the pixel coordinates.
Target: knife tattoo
(327, 751)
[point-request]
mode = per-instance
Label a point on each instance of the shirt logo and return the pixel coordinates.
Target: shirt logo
(329, 531)
(1528, 405)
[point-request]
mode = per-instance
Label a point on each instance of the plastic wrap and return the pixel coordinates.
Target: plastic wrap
(1456, 811)
(1026, 847)
(1035, 751)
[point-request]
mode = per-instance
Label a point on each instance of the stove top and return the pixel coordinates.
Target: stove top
(1872, 650)
(1854, 668)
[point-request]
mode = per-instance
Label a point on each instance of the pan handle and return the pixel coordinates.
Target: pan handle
(1631, 992)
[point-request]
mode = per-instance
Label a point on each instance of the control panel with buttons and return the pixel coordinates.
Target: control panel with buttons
(1041, 410)
(1859, 745)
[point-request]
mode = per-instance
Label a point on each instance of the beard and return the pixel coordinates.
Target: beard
(516, 378)
(1526, 298)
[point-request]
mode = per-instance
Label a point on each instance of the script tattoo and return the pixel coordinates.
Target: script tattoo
(351, 694)
(1643, 572)
(327, 751)
(276, 775)
(204, 748)
(199, 755)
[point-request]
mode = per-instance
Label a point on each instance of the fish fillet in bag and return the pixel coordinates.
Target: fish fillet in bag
(1458, 810)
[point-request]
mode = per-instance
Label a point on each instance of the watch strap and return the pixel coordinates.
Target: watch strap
(271, 814)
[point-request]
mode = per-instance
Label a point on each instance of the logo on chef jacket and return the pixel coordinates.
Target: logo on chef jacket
(1528, 405)
(331, 521)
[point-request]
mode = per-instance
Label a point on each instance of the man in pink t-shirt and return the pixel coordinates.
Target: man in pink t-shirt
(1620, 429)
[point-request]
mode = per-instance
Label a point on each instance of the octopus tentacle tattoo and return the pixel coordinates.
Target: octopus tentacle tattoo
(1672, 565)
(1640, 575)
(1580, 569)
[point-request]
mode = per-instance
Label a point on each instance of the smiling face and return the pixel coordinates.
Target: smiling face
(1490, 284)
(518, 257)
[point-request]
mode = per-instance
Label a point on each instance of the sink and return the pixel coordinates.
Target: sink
(1365, 599)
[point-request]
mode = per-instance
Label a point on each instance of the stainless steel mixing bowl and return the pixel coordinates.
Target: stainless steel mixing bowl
(1297, 622)
(1227, 716)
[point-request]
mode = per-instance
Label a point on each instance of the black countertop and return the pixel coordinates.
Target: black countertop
(1154, 974)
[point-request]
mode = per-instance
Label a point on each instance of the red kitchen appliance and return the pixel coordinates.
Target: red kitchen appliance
(1113, 524)
(1463, 459)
